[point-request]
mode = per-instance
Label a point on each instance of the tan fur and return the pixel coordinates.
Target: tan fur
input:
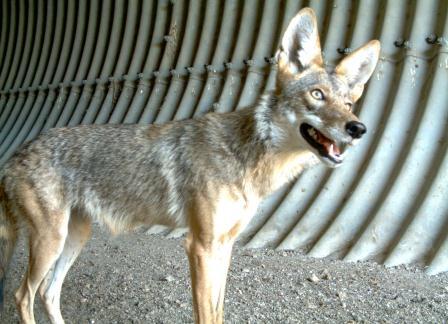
(215, 223)
(45, 248)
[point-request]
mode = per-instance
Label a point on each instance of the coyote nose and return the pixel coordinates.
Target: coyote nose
(355, 129)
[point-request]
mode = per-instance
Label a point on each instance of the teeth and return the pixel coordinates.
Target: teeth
(312, 133)
(331, 151)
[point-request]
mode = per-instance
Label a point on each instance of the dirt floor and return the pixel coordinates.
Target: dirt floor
(143, 278)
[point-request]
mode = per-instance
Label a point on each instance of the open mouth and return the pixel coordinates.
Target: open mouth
(326, 147)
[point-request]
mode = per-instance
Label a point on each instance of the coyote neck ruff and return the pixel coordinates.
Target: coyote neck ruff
(208, 174)
(274, 152)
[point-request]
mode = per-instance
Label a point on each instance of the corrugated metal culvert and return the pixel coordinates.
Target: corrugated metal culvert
(81, 62)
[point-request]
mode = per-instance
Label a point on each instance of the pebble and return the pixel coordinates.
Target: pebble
(313, 278)
(311, 306)
(168, 278)
(326, 275)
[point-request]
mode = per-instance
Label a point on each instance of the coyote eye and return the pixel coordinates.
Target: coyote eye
(349, 105)
(317, 94)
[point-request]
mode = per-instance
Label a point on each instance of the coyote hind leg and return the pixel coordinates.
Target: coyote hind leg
(47, 233)
(79, 230)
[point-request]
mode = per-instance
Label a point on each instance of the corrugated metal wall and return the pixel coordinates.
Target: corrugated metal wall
(80, 62)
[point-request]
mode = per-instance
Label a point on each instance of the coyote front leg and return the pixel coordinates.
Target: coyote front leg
(216, 218)
(209, 263)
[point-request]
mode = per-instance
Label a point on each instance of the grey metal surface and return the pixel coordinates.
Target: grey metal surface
(113, 61)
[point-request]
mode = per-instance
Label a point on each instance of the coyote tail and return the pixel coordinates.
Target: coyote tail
(7, 240)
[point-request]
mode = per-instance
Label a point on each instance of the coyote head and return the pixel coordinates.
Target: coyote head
(316, 99)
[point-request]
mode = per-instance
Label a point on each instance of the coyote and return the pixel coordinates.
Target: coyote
(207, 174)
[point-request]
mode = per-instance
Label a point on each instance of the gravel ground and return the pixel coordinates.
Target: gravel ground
(141, 278)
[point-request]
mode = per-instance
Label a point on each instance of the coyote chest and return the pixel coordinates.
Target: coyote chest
(233, 209)
(234, 206)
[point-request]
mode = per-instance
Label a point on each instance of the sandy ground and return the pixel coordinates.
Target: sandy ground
(143, 278)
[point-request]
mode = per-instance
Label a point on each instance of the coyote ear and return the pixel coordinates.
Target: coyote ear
(357, 68)
(300, 46)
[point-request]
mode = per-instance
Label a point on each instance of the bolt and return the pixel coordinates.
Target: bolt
(250, 62)
(402, 43)
(433, 39)
(344, 51)
(270, 60)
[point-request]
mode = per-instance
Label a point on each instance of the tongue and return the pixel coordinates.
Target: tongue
(329, 145)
